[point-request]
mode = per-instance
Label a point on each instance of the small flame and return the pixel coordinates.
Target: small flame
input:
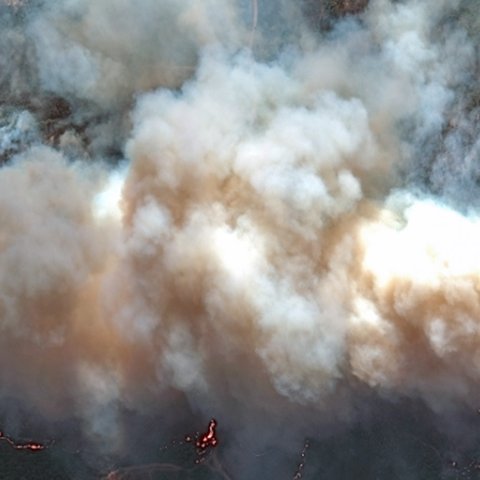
(204, 441)
(31, 446)
(208, 439)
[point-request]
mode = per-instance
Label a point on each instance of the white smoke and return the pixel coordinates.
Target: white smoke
(268, 242)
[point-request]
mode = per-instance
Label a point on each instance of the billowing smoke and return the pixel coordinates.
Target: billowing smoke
(261, 211)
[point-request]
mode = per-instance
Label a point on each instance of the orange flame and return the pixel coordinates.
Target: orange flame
(31, 446)
(208, 439)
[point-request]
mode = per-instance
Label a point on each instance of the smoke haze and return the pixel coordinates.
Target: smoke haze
(265, 212)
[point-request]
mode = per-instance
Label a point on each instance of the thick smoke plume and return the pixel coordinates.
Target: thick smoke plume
(262, 211)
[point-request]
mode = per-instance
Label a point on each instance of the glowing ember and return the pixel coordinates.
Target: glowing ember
(31, 446)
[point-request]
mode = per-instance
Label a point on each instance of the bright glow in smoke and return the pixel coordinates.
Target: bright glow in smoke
(238, 255)
(107, 203)
(434, 243)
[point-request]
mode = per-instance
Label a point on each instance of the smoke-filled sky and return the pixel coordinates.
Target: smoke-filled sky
(267, 212)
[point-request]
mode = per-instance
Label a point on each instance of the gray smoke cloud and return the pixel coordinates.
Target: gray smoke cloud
(265, 209)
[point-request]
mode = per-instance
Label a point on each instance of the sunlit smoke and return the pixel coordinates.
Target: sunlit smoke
(253, 208)
(107, 203)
